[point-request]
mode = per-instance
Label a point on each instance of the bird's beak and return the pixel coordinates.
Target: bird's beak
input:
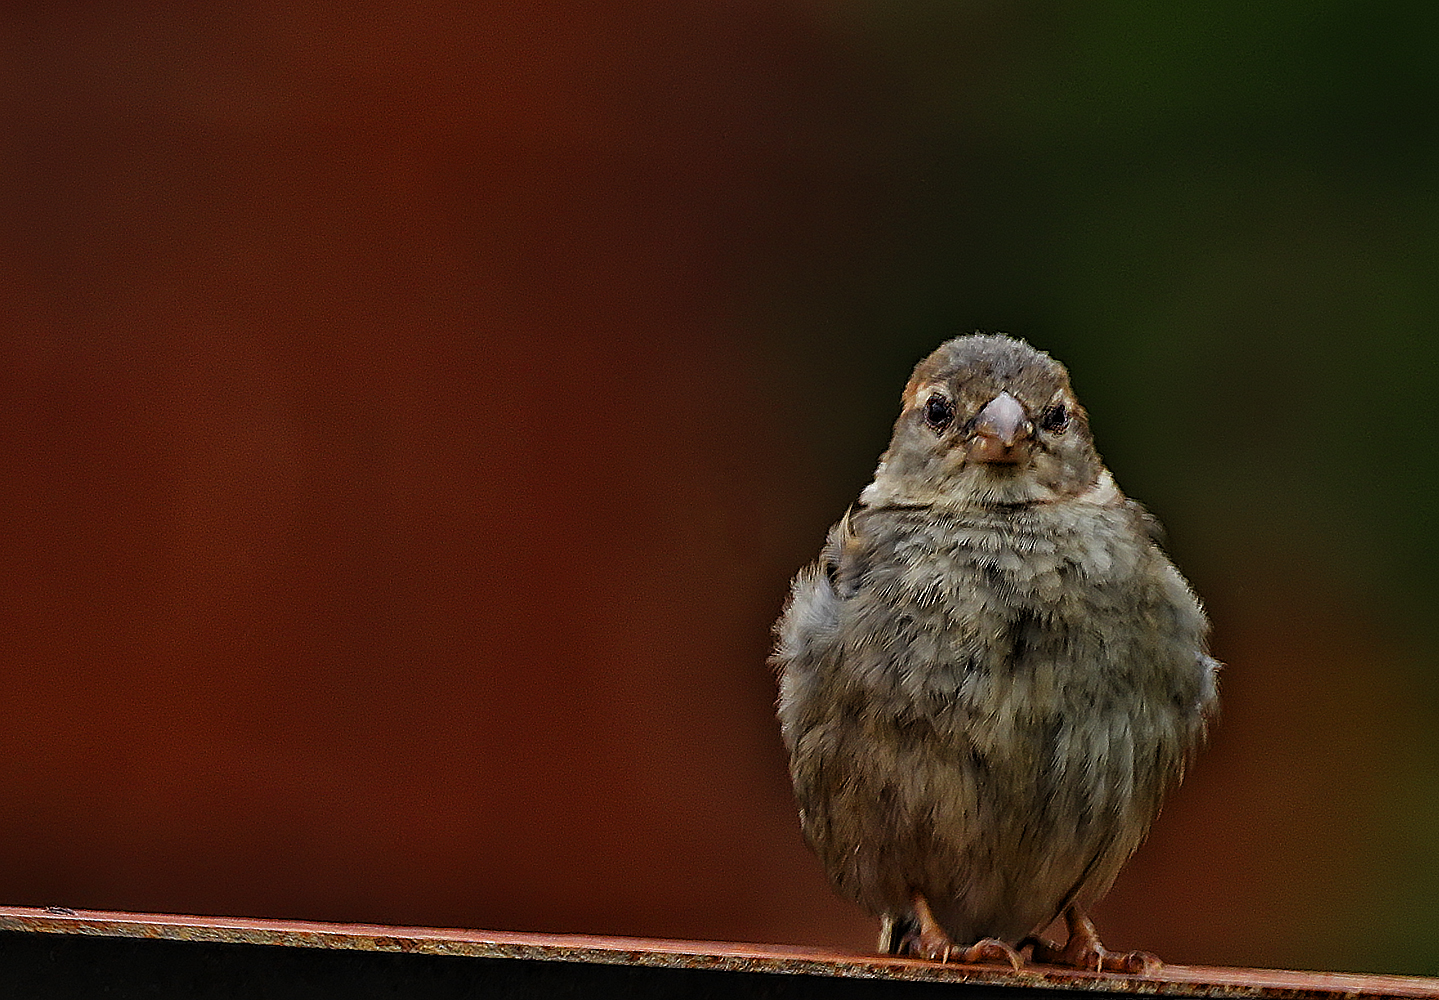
(999, 430)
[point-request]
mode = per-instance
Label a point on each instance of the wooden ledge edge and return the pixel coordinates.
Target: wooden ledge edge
(1173, 980)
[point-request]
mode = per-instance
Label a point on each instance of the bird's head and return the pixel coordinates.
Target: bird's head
(988, 421)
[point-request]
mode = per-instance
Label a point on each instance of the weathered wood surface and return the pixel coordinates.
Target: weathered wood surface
(155, 955)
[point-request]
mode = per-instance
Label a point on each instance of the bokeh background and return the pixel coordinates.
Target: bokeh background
(413, 414)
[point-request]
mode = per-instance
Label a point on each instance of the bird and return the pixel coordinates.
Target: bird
(993, 674)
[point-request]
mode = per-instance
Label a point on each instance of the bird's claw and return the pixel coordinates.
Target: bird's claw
(989, 951)
(925, 938)
(1083, 950)
(992, 951)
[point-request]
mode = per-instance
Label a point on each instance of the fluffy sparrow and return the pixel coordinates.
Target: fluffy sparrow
(993, 674)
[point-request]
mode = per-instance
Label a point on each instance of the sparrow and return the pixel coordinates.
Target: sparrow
(993, 674)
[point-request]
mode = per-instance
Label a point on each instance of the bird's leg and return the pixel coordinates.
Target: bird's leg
(929, 940)
(1083, 950)
(925, 937)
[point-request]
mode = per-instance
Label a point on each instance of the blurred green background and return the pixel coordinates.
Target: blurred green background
(1223, 217)
(413, 418)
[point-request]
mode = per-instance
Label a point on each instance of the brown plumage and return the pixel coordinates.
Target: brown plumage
(993, 674)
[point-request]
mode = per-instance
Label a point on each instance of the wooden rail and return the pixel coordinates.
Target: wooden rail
(57, 952)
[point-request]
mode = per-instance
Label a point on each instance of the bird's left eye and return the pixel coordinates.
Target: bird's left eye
(1055, 419)
(938, 412)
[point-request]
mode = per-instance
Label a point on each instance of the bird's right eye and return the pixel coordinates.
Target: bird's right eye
(938, 412)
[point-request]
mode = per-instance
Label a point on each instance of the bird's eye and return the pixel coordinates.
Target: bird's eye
(938, 412)
(1055, 419)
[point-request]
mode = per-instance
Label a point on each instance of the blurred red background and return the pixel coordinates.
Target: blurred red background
(412, 418)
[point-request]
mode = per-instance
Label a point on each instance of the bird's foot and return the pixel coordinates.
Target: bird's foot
(991, 951)
(988, 951)
(924, 938)
(1084, 950)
